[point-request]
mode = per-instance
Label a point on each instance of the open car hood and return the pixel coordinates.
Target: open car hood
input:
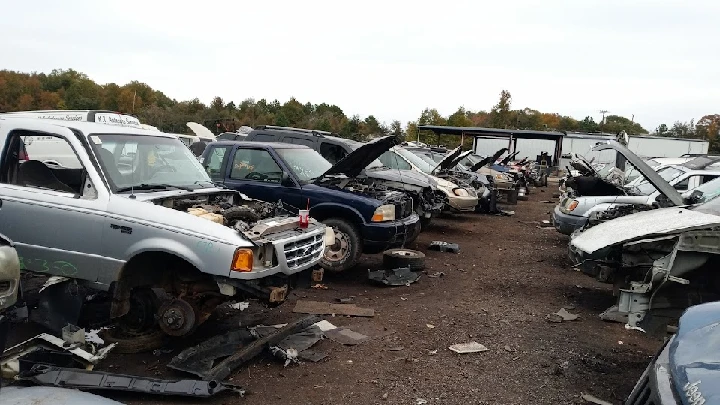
(646, 171)
(642, 225)
(451, 160)
(357, 160)
(508, 158)
(489, 159)
(411, 177)
(200, 130)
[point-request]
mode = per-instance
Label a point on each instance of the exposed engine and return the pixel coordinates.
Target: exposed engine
(405, 197)
(616, 212)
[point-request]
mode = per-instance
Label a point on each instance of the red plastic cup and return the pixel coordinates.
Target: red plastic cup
(304, 218)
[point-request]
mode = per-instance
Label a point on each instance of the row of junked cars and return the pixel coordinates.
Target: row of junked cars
(96, 200)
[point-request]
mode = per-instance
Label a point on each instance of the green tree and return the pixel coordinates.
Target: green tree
(615, 123)
(500, 113)
(396, 128)
(661, 130)
(83, 94)
(588, 125)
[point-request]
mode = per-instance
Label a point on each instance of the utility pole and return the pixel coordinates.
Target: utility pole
(602, 123)
(133, 106)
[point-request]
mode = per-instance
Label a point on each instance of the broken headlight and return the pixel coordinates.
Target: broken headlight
(384, 213)
(461, 192)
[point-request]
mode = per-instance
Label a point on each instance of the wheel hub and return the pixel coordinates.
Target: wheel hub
(338, 250)
(177, 317)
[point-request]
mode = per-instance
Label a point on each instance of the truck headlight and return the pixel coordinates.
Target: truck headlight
(242, 260)
(461, 192)
(384, 213)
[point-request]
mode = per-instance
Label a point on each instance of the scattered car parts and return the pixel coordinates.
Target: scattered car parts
(441, 246)
(395, 277)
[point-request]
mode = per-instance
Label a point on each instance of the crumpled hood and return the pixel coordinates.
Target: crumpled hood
(695, 354)
(357, 160)
(664, 221)
(489, 159)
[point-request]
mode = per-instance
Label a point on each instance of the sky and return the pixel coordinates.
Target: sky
(657, 60)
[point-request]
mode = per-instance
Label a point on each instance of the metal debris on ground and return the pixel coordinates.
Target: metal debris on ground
(312, 356)
(73, 334)
(437, 274)
(420, 401)
(441, 246)
(430, 326)
(317, 275)
(200, 359)
(327, 308)
(396, 349)
(98, 380)
(10, 358)
(245, 353)
(320, 287)
(93, 336)
(594, 400)
(562, 316)
(324, 325)
(348, 300)
(403, 276)
(346, 336)
(240, 306)
(471, 347)
(290, 347)
(160, 352)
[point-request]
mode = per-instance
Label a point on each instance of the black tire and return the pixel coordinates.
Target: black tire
(544, 180)
(424, 223)
(143, 310)
(129, 344)
(396, 258)
(343, 230)
(512, 197)
(414, 233)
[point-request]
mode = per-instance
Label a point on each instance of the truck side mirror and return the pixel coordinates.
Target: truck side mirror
(286, 181)
(693, 198)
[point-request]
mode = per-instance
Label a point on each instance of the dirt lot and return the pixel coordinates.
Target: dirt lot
(497, 291)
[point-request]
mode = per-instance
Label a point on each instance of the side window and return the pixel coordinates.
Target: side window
(332, 153)
(393, 161)
(255, 164)
(300, 141)
(707, 177)
(683, 184)
(43, 161)
(214, 162)
(265, 138)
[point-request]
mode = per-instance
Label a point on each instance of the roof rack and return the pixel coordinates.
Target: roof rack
(315, 132)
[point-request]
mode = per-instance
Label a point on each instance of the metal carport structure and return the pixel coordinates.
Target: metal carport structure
(512, 136)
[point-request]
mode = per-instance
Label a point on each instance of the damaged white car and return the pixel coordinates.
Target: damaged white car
(661, 261)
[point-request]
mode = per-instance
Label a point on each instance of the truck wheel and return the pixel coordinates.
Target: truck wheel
(396, 258)
(512, 197)
(347, 249)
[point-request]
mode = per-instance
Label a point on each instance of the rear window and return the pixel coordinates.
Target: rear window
(265, 138)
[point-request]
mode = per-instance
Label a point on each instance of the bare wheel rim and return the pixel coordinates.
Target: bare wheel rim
(340, 249)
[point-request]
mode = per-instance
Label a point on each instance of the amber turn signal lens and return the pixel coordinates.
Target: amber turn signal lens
(242, 260)
(573, 205)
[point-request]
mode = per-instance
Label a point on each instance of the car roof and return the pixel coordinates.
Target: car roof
(90, 128)
(308, 133)
(269, 145)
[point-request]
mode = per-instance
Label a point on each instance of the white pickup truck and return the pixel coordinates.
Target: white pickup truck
(134, 212)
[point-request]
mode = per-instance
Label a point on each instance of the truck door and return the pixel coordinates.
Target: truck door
(54, 213)
(255, 172)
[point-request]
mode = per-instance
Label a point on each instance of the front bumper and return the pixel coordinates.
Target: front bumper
(566, 223)
(292, 252)
(655, 385)
(458, 203)
(379, 236)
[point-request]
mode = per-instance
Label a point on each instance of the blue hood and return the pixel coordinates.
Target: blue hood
(695, 353)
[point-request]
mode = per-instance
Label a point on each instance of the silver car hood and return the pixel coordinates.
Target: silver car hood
(144, 195)
(664, 221)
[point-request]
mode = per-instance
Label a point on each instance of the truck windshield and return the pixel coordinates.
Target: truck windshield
(307, 164)
(668, 174)
(148, 163)
(416, 160)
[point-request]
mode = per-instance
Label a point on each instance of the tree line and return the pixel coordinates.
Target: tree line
(70, 89)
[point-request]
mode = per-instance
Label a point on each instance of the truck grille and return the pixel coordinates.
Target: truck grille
(303, 251)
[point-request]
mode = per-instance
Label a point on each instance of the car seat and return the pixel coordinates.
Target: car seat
(35, 173)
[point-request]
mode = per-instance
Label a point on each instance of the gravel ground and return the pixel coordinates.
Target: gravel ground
(497, 291)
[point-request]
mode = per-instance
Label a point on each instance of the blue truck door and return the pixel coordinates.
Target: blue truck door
(255, 172)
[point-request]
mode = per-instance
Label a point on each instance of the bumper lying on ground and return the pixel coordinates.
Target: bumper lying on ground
(379, 236)
(566, 223)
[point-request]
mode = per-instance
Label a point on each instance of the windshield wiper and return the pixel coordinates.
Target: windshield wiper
(150, 187)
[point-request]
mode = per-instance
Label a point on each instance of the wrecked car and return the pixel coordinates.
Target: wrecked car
(140, 213)
(366, 216)
(684, 369)
(461, 197)
(386, 171)
(661, 261)
(589, 196)
(505, 184)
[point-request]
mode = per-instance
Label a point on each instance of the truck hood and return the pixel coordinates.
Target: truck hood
(357, 160)
(411, 177)
(663, 221)
(200, 130)
(450, 160)
(651, 175)
(490, 159)
(695, 353)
